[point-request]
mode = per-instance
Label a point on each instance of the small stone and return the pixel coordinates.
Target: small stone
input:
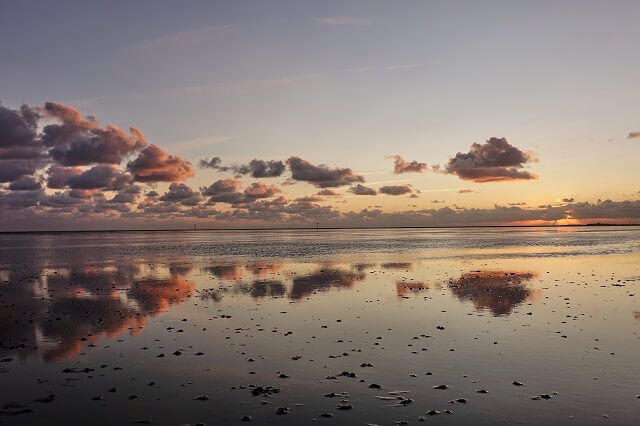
(282, 410)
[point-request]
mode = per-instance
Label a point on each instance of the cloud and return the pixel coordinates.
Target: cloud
(213, 163)
(68, 139)
(126, 195)
(226, 191)
(332, 193)
(18, 200)
(154, 164)
(322, 280)
(102, 176)
(183, 39)
(221, 186)
(256, 168)
(261, 169)
(21, 152)
(18, 131)
(494, 161)
(396, 189)
(11, 170)
(496, 291)
(362, 190)
(25, 183)
(321, 176)
(568, 200)
(310, 199)
(343, 20)
(633, 135)
(77, 141)
(58, 176)
(465, 191)
(182, 193)
(402, 166)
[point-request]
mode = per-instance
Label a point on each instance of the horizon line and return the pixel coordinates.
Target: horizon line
(317, 228)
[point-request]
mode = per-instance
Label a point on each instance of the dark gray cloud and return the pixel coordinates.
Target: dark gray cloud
(256, 168)
(400, 165)
(227, 191)
(11, 170)
(16, 200)
(154, 164)
(177, 192)
(25, 183)
(182, 193)
(21, 153)
(58, 176)
(321, 176)
(214, 163)
(61, 200)
(108, 145)
(494, 161)
(102, 176)
(126, 195)
(360, 189)
(396, 189)
(261, 169)
(328, 193)
(78, 142)
(18, 133)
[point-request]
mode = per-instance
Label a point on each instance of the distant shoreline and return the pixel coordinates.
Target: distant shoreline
(313, 228)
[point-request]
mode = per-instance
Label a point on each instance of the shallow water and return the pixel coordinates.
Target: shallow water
(85, 318)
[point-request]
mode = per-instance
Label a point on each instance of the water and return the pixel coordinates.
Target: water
(85, 317)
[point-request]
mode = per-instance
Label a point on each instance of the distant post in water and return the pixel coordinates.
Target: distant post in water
(194, 226)
(317, 226)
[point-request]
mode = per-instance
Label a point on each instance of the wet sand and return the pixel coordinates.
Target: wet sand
(458, 326)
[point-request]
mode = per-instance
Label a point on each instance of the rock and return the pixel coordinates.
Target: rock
(47, 399)
(282, 410)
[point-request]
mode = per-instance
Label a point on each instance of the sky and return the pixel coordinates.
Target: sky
(155, 114)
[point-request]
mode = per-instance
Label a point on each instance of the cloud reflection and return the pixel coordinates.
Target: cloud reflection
(499, 292)
(54, 314)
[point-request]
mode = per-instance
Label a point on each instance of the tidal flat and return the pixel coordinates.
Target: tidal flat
(378, 326)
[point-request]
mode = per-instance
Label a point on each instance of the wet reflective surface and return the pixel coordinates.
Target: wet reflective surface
(482, 326)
